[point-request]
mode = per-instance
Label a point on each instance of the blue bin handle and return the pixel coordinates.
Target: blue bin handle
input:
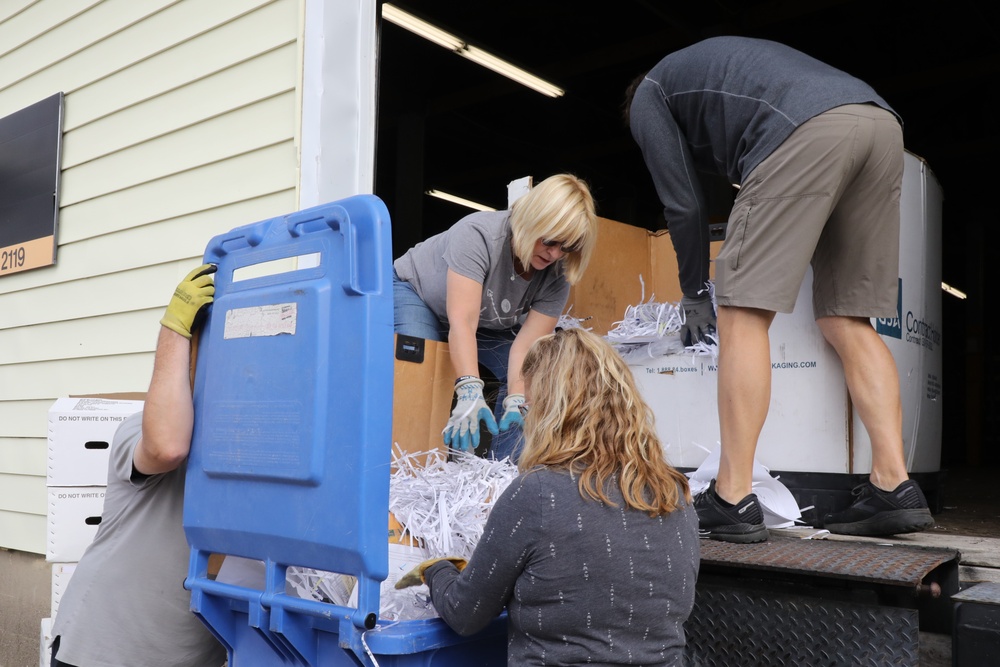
(245, 237)
(337, 218)
(360, 234)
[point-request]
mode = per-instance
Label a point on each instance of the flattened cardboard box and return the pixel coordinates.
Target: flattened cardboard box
(422, 394)
(79, 438)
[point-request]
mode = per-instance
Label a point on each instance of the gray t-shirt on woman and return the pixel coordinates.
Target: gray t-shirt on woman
(479, 247)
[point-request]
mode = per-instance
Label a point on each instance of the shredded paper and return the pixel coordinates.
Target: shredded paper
(652, 329)
(444, 504)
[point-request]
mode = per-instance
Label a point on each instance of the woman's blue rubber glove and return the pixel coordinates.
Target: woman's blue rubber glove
(512, 412)
(462, 429)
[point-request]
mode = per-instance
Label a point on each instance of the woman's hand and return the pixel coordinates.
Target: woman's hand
(462, 430)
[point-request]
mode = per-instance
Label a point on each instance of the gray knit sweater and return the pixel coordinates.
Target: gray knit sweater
(584, 583)
(722, 106)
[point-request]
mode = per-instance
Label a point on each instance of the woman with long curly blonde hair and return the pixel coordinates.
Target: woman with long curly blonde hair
(593, 549)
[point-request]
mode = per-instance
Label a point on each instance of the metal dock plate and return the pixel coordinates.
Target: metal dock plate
(795, 602)
(857, 561)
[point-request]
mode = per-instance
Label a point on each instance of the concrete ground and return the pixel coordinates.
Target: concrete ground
(25, 599)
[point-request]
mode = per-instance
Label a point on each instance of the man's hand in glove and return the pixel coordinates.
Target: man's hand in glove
(194, 292)
(462, 430)
(512, 412)
(415, 577)
(699, 320)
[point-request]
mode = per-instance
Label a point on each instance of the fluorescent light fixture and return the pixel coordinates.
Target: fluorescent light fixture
(952, 291)
(488, 60)
(420, 27)
(461, 201)
(440, 37)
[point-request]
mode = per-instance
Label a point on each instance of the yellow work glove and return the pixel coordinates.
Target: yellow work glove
(194, 292)
(415, 577)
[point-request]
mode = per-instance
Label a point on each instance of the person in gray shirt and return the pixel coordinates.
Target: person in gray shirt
(491, 285)
(817, 156)
(593, 549)
(126, 604)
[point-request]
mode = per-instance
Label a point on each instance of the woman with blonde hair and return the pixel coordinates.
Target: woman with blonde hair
(593, 549)
(490, 285)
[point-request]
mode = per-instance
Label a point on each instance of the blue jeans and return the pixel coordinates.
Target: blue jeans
(413, 318)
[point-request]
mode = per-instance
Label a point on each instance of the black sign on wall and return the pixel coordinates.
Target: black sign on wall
(30, 150)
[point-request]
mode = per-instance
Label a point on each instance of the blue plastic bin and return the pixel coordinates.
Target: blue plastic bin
(290, 459)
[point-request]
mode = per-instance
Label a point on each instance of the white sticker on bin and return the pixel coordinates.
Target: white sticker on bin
(270, 320)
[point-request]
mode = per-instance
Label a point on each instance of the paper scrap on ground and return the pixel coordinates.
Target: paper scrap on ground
(777, 502)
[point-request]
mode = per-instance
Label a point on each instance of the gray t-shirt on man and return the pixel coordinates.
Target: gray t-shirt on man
(125, 604)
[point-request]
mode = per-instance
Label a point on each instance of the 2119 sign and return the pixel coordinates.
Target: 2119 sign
(28, 255)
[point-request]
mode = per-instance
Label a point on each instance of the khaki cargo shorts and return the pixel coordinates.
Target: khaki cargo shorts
(827, 196)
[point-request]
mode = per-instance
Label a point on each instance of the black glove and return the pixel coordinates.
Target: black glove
(699, 320)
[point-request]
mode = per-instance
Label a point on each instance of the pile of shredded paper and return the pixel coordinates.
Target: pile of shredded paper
(652, 329)
(442, 505)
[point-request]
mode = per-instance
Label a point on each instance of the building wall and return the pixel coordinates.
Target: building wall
(181, 122)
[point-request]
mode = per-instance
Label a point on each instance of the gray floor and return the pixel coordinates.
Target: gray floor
(25, 599)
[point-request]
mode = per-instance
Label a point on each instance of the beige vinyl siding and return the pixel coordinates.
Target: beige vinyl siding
(180, 123)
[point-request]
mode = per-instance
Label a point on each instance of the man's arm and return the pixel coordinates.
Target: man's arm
(670, 164)
(168, 413)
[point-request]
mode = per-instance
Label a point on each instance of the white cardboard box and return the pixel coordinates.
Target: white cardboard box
(73, 518)
(79, 440)
(45, 636)
(806, 427)
(61, 573)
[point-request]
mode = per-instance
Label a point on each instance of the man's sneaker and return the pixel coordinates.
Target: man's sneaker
(875, 512)
(742, 523)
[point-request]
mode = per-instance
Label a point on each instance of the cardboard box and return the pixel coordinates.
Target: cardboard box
(630, 265)
(73, 518)
(807, 424)
(79, 438)
(61, 573)
(423, 388)
(44, 651)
